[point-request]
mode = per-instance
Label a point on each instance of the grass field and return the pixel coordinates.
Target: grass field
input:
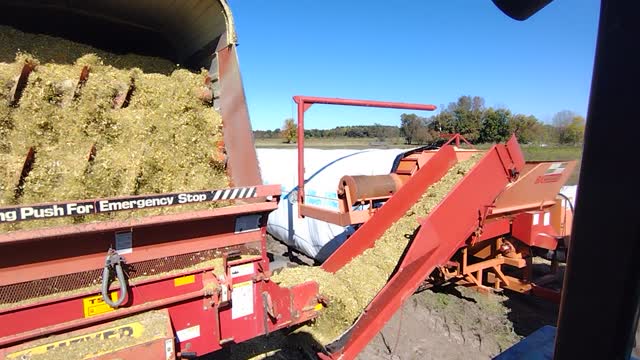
(531, 152)
(536, 153)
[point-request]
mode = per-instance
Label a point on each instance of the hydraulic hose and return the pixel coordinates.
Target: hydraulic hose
(113, 261)
(568, 201)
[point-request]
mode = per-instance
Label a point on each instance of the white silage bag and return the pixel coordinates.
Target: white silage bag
(323, 170)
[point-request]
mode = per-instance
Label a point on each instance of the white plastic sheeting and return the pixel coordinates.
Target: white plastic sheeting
(323, 170)
(570, 191)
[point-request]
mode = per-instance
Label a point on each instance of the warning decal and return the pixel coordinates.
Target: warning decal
(242, 299)
(556, 168)
(553, 173)
(94, 305)
(184, 280)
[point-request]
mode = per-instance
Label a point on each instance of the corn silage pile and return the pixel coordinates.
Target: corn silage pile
(51, 49)
(353, 287)
(162, 139)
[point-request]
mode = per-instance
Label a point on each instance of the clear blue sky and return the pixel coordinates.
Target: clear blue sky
(411, 51)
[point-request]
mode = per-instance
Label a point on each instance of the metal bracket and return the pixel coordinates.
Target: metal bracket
(482, 218)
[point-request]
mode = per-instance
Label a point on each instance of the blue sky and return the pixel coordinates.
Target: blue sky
(411, 51)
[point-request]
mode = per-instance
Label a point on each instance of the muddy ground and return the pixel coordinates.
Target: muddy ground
(445, 323)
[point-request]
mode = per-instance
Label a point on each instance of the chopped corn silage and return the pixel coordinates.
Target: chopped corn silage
(7, 79)
(163, 140)
(53, 49)
(353, 287)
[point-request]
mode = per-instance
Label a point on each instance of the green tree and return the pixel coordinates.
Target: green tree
(574, 132)
(444, 122)
(463, 116)
(495, 125)
(424, 135)
(569, 127)
(527, 128)
(289, 131)
(411, 125)
(561, 121)
(548, 134)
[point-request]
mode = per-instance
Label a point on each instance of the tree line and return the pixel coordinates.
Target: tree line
(359, 131)
(468, 116)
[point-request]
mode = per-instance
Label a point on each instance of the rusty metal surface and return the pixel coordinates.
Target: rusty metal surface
(16, 91)
(238, 136)
(363, 187)
(334, 217)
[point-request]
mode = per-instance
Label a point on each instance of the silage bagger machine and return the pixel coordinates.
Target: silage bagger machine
(194, 282)
(528, 217)
(500, 214)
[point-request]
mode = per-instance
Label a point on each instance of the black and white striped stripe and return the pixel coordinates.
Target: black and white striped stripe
(234, 193)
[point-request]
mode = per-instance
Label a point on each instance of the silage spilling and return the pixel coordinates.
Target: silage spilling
(353, 287)
(161, 139)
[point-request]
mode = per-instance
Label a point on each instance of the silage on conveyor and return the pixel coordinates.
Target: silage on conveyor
(353, 287)
(162, 140)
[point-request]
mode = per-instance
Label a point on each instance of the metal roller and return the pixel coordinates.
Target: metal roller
(365, 187)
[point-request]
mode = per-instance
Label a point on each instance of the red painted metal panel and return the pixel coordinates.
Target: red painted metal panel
(245, 327)
(304, 300)
(282, 306)
(534, 229)
(528, 193)
(292, 305)
(81, 323)
(366, 103)
(152, 349)
(81, 252)
(238, 137)
(41, 316)
(441, 234)
(392, 210)
(196, 326)
(495, 228)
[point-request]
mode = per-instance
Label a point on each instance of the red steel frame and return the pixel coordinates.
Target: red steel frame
(39, 254)
(436, 241)
(305, 102)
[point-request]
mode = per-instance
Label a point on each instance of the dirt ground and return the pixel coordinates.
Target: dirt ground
(445, 323)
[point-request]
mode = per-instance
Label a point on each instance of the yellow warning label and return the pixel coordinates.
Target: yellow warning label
(119, 333)
(184, 280)
(94, 305)
(318, 307)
